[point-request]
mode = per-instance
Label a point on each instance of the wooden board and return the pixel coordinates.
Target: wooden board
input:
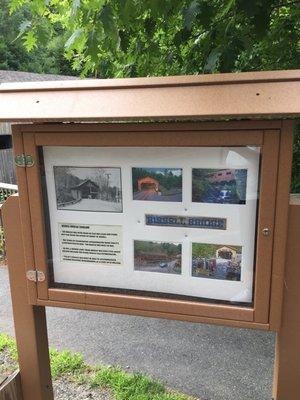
(215, 97)
(10, 388)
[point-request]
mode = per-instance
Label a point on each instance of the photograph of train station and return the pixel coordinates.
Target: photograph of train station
(225, 186)
(88, 189)
(216, 261)
(154, 256)
(157, 184)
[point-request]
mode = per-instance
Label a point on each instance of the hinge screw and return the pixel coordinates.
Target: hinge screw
(266, 232)
(24, 160)
(35, 276)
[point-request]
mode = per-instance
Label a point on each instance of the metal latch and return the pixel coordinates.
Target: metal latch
(24, 160)
(35, 276)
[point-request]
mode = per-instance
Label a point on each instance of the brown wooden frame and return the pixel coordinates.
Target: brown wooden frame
(272, 136)
(256, 94)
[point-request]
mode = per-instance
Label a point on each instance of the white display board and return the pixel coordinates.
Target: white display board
(171, 220)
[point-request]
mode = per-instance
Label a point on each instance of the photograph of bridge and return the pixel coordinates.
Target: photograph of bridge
(216, 261)
(88, 189)
(154, 256)
(157, 184)
(224, 186)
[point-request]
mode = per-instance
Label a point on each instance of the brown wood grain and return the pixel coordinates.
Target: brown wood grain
(29, 321)
(184, 80)
(11, 388)
(242, 125)
(152, 304)
(154, 314)
(246, 95)
(287, 361)
(25, 220)
(37, 214)
(264, 249)
(150, 138)
(281, 222)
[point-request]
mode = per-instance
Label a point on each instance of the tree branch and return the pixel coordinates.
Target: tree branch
(290, 3)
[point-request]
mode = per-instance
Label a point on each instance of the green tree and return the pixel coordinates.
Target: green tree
(128, 38)
(47, 58)
(153, 37)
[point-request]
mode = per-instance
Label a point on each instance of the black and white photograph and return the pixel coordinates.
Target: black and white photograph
(154, 256)
(216, 261)
(88, 188)
(224, 186)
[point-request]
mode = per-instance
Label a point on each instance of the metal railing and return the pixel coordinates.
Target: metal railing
(6, 190)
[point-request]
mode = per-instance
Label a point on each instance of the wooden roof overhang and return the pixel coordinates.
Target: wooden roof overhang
(249, 95)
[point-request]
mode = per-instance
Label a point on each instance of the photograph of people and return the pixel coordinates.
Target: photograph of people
(216, 261)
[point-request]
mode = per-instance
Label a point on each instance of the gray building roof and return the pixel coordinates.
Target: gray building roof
(19, 76)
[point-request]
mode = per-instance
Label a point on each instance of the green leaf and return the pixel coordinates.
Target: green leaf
(92, 45)
(124, 40)
(190, 14)
(75, 6)
(39, 6)
(72, 39)
(127, 10)
(212, 60)
(158, 7)
(30, 40)
(109, 24)
(230, 4)
(43, 33)
(23, 28)
(15, 5)
(206, 14)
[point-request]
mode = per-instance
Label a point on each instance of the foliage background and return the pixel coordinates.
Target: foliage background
(204, 250)
(170, 179)
(129, 38)
(171, 249)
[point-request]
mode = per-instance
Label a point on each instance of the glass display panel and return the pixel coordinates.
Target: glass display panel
(176, 221)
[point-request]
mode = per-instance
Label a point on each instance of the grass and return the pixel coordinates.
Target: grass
(123, 385)
(6, 342)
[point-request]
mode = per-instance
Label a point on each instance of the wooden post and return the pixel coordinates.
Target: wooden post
(287, 361)
(30, 321)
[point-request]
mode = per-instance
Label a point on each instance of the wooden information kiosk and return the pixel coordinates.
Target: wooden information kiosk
(161, 197)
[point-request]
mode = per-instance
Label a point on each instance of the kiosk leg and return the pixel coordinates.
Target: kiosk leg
(30, 321)
(287, 361)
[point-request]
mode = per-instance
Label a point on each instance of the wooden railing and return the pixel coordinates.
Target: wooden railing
(11, 388)
(6, 190)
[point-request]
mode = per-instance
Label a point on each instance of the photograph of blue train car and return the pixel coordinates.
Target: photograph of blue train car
(225, 186)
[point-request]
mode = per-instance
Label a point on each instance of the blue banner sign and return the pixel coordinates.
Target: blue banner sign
(185, 221)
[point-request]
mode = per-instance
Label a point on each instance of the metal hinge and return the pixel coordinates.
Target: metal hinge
(24, 160)
(35, 276)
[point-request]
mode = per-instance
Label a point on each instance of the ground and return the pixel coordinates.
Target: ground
(95, 205)
(210, 362)
(150, 195)
(66, 390)
(169, 268)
